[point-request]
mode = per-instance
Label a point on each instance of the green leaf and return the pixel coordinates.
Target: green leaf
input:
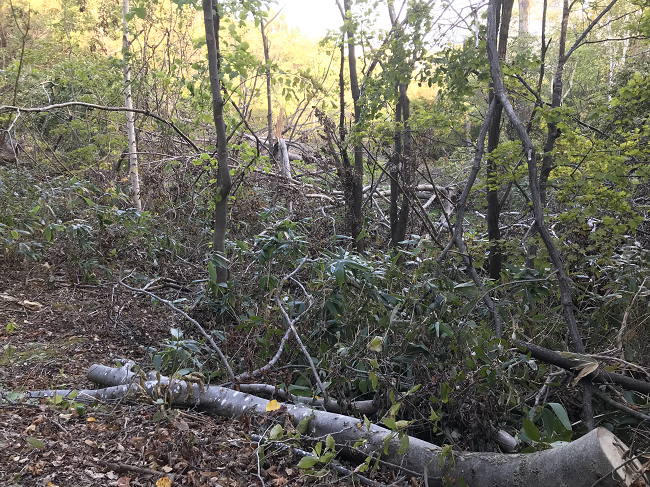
(276, 432)
(531, 430)
(374, 379)
(35, 443)
(390, 423)
(403, 445)
(327, 457)
(14, 234)
(561, 414)
(302, 426)
(212, 271)
(140, 12)
(330, 443)
(434, 416)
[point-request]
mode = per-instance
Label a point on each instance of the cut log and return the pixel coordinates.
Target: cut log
(598, 457)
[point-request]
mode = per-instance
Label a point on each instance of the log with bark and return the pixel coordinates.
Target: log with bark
(598, 458)
(573, 362)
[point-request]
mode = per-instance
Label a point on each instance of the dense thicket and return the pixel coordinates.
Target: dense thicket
(438, 183)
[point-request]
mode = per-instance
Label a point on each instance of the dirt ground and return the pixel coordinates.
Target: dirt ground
(51, 330)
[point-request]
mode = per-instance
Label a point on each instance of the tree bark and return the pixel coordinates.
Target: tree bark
(401, 170)
(596, 457)
(573, 362)
(269, 107)
(224, 182)
(556, 101)
(524, 11)
(357, 178)
(495, 257)
(529, 153)
(548, 161)
(130, 116)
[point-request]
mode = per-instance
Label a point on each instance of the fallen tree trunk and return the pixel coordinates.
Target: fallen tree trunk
(598, 457)
(570, 363)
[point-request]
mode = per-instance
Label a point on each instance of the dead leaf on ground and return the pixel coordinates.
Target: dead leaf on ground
(587, 369)
(31, 305)
(91, 443)
(122, 482)
(164, 482)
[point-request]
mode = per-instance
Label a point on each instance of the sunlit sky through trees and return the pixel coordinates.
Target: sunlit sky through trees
(315, 17)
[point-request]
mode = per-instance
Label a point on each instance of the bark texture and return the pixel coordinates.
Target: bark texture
(224, 182)
(130, 116)
(495, 257)
(596, 457)
(357, 174)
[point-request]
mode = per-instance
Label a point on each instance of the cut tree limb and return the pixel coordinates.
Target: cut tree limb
(596, 457)
(599, 375)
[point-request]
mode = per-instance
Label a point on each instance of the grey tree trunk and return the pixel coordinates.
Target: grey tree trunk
(495, 257)
(524, 12)
(130, 116)
(548, 162)
(598, 457)
(224, 182)
(357, 174)
(401, 171)
(269, 107)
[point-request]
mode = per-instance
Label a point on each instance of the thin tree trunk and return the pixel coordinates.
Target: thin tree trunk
(495, 257)
(598, 458)
(529, 152)
(357, 179)
(269, 107)
(23, 43)
(223, 171)
(548, 161)
(401, 170)
(130, 116)
(345, 168)
(556, 101)
(524, 10)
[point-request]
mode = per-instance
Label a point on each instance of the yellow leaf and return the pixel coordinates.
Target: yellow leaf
(164, 482)
(273, 405)
(587, 369)
(91, 419)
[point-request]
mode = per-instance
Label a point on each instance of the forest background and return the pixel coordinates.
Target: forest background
(415, 207)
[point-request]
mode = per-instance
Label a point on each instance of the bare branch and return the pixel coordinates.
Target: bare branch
(207, 336)
(10, 108)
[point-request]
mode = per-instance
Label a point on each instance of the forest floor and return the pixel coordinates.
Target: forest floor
(51, 331)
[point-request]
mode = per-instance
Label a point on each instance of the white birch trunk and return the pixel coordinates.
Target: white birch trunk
(130, 118)
(597, 458)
